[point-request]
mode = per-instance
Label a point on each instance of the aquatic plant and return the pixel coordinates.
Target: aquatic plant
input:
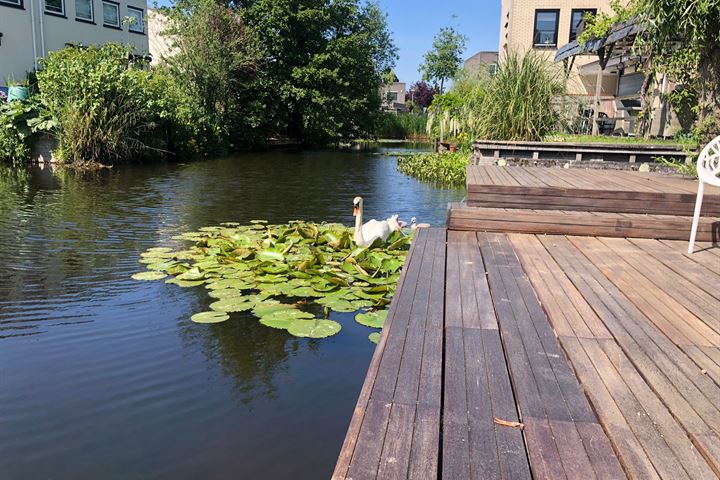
(440, 168)
(274, 271)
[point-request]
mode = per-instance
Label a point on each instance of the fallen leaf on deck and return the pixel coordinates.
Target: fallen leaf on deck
(505, 423)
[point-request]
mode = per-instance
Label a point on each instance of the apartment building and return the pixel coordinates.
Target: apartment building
(548, 25)
(30, 29)
(545, 26)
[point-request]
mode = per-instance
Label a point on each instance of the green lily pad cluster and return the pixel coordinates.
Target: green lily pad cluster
(273, 271)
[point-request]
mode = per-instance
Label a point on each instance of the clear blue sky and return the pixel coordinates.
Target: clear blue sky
(415, 23)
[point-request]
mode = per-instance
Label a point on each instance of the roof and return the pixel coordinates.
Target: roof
(621, 34)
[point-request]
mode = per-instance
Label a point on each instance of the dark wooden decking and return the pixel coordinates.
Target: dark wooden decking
(555, 344)
(606, 350)
(614, 191)
(584, 202)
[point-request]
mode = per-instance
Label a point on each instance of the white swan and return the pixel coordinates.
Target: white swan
(372, 230)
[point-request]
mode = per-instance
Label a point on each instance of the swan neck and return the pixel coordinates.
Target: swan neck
(358, 225)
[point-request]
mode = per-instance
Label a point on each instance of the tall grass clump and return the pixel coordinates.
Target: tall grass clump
(518, 102)
(401, 126)
(440, 168)
(107, 108)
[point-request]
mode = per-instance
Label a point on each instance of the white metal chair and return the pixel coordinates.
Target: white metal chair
(708, 169)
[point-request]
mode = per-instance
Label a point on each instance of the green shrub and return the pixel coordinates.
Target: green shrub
(440, 168)
(18, 121)
(109, 109)
(401, 125)
(518, 103)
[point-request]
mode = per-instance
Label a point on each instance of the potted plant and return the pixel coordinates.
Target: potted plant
(17, 90)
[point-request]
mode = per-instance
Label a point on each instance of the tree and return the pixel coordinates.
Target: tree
(443, 61)
(422, 94)
(215, 57)
(323, 65)
(684, 36)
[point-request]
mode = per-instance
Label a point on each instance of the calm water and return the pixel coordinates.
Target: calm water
(103, 377)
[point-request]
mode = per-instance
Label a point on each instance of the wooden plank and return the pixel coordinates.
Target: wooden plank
(482, 444)
(351, 438)
(563, 302)
(425, 444)
(686, 392)
(662, 419)
(556, 384)
(660, 454)
(701, 276)
(561, 201)
(543, 452)
(671, 317)
(387, 374)
(455, 453)
(366, 458)
(632, 455)
(701, 304)
(510, 444)
(395, 457)
(709, 447)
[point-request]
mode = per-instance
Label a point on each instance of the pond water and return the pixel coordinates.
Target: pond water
(105, 377)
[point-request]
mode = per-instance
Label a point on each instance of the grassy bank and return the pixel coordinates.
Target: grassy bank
(441, 168)
(401, 126)
(569, 138)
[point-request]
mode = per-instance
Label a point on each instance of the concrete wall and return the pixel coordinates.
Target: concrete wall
(17, 55)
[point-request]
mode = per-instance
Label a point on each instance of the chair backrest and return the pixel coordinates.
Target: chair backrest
(708, 164)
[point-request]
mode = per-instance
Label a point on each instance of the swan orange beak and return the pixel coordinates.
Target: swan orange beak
(355, 211)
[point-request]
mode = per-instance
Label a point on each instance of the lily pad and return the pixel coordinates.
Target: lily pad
(233, 304)
(373, 319)
(374, 337)
(283, 318)
(210, 317)
(314, 328)
(252, 267)
(149, 276)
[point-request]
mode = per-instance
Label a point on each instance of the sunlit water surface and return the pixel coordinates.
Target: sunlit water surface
(104, 377)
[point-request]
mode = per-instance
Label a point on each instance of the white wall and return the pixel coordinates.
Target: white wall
(16, 45)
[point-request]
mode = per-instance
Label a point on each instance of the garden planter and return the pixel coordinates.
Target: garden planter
(18, 93)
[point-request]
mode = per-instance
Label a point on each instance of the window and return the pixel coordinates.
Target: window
(576, 18)
(111, 14)
(546, 28)
(393, 96)
(136, 20)
(55, 7)
(12, 3)
(84, 10)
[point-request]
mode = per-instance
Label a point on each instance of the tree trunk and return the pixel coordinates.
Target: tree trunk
(646, 107)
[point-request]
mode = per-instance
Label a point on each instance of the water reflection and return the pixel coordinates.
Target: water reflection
(105, 377)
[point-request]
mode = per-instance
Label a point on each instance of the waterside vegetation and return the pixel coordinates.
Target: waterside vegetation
(238, 76)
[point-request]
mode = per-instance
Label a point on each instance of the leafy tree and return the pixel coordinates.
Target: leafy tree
(422, 94)
(443, 61)
(323, 65)
(216, 58)
(693, 26)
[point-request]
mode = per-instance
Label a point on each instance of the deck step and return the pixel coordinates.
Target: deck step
(543, 188)
(563, 222)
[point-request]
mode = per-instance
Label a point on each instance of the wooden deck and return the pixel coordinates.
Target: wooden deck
(556, 331)
(607, 350)
(614, 191)
(584, 202)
